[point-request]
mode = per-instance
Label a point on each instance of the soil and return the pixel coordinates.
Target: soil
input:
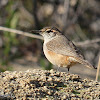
(46, 85)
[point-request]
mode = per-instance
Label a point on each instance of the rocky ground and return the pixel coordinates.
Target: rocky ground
(46, 85)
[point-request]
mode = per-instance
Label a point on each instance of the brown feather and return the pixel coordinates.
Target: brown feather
(63, 46)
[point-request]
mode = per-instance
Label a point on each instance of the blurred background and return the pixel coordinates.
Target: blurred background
(79, 20)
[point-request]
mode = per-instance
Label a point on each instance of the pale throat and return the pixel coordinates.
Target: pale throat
(47, 38)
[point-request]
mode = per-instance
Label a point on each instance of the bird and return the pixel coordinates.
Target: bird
(59, 50)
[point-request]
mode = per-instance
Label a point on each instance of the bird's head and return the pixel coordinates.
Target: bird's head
(48, 32)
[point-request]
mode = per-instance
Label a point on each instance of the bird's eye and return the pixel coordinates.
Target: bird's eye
(49, 31)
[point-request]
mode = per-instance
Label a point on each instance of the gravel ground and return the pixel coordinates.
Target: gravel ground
(46, 85)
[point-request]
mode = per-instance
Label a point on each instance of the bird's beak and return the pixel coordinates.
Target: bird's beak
(36, 31)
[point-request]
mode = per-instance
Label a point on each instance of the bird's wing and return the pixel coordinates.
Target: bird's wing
(62, 45)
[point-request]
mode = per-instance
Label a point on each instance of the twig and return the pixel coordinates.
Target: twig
(98, 68)
(35, 14)
(66, 9)
(79, 32)
(87, 42)
(65, 15)
(26, 14)
(20, 32)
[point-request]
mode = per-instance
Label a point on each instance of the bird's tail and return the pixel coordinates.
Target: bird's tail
(85, 63)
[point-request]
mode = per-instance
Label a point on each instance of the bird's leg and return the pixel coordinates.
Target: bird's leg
(68, 69)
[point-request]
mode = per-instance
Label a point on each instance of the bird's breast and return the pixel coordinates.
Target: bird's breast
(56, 59)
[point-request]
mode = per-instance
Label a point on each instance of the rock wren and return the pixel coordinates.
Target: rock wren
(59, 50)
